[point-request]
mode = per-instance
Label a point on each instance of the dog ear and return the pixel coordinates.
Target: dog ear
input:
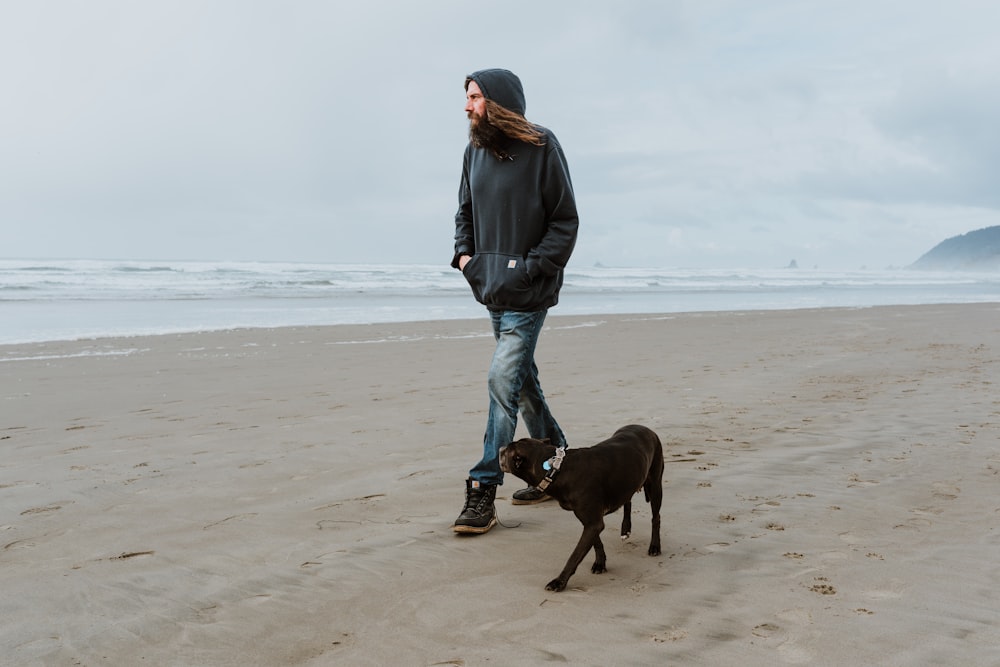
(546, 441)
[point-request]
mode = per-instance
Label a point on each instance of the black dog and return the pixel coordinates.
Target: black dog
(592, 482)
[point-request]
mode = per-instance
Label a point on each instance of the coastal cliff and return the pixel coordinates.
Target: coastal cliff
(974, 251)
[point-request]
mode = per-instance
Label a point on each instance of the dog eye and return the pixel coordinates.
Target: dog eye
(518, 460)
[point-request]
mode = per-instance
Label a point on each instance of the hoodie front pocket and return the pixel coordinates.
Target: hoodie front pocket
(499, 280)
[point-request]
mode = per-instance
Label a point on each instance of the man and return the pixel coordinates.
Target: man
(514, 232)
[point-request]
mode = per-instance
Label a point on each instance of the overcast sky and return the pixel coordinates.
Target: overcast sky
(709, 133)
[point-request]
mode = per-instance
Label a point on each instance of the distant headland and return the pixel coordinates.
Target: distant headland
(974, 251)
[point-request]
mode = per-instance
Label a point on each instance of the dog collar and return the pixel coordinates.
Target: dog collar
(552, 466)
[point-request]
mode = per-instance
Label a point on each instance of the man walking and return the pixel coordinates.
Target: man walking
(514, 232)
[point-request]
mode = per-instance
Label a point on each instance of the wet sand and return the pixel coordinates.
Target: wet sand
(285, 496)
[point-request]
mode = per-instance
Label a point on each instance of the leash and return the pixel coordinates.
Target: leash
(552, 466)
(497, 515)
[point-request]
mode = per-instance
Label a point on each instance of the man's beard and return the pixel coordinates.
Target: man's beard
(483, 134)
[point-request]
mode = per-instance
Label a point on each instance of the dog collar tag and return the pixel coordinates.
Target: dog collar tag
(546, 466)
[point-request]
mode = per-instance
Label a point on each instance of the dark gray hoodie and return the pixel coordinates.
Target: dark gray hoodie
(502, 86)
(517, 216)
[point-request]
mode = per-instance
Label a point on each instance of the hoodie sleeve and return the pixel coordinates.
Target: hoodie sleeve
(553, 251)
(465, 238)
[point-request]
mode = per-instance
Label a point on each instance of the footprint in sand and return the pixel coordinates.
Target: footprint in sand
(789, 648)
(669, 635)
(822, 586)
(765, 630)
(914, 524)
(934, 511)
(235, 517)
(946, 491)
(132, 554)
(41, 510)
(26, 543)
(855, 480)
(784, 634)
(887, 590)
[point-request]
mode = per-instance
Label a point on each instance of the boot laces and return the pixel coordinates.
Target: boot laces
(475, 499)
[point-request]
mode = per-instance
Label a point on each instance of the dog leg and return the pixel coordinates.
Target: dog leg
(654, 491)
(601, 561)
(626, 520)
(590, 537)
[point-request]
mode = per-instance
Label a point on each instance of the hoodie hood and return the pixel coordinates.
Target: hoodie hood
(500, 85)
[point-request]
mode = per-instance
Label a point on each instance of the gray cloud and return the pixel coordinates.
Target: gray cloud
(711, 134)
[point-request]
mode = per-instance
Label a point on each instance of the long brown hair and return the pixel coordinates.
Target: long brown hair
(514, 125)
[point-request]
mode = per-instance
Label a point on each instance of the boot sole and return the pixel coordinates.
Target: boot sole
(518, 501)
(474, 530)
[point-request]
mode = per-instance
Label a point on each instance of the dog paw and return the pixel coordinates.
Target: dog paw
(654, 550)
(625, 536)
(555, 585)
(598, 568)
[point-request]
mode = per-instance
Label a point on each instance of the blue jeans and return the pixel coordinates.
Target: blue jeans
(513, 385)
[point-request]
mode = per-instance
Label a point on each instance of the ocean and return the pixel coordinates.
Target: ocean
(48, 300)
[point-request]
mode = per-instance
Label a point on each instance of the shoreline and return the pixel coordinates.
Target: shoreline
(78, 303)
(285, 495)
(466, 319)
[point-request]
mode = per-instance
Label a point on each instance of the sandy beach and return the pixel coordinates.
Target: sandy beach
(285, 496)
